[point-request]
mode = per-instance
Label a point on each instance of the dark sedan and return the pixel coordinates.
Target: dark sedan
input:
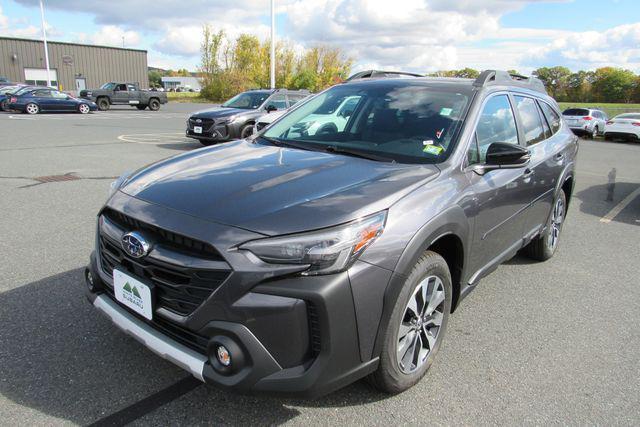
(49, 100)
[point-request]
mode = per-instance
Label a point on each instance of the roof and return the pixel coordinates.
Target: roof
(72, 44)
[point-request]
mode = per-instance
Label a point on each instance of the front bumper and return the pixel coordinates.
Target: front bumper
(287, 334)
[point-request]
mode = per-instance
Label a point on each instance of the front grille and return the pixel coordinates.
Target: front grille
(314, 329)
(206, 124)
(175, 242)
(178, 289)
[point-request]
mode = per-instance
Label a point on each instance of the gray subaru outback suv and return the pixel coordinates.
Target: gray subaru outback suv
(299, 263)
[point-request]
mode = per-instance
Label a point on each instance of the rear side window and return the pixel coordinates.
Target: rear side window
(575, 112)
(42, 93)
(530, 118)
(552, 117)
(496, 124)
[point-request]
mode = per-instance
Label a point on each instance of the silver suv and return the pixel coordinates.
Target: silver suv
(585, 121)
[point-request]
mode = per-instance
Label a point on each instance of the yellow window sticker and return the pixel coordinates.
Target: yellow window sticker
(435, 150)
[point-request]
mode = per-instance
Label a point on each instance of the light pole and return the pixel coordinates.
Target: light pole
(273, 46)
(46, 50)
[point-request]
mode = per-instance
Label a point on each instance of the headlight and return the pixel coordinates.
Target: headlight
(325, 251)
(115, 185)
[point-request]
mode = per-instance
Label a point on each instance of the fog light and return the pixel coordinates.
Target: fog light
(223, 356)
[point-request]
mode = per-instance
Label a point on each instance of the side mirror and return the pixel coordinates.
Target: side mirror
(501, 155)
(271, 108)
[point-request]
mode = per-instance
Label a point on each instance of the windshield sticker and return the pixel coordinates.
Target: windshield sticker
(446, 111)
(428, 142)
(439, 133)
(435, 150)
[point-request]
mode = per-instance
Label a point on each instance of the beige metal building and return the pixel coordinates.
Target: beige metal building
(73, 66)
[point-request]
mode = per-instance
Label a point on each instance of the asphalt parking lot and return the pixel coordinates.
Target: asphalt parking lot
(536, 343)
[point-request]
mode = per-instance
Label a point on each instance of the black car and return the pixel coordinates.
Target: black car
(235, 118)
(300, 262)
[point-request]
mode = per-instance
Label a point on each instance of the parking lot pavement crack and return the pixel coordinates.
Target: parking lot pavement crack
(69, 176)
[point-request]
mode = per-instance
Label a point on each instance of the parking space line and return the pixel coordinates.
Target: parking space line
(153, 138)
(149, 403)
(620, 206)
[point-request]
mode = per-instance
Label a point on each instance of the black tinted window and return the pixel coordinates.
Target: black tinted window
(575, 112)
(531, 124)
(552, 117)
(496, 124)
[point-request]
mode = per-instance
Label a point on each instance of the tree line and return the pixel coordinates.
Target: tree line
(229, 66)
(606, 85)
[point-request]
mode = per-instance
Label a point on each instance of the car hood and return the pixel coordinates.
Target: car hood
(221, 112)
(274, 190)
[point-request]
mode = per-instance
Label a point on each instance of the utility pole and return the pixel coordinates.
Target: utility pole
(46, 50)
(273, 46)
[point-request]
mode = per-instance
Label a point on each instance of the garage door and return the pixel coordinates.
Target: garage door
(38, 76)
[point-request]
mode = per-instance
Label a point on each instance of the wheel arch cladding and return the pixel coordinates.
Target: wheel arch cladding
(448, 234)
(567, 187)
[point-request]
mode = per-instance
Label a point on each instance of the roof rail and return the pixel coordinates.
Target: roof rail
(380, 74)
(503, 78)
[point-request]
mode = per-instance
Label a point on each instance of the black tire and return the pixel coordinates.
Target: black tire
(141, 107)
(206, 142)
(543, 247)
(246, 131)
(154, 105)
(389, 377)
(4, 105)
(103, 104)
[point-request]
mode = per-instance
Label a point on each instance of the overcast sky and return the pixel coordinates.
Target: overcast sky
(412, 35)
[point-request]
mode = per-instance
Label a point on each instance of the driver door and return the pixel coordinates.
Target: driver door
(499, 201)
(121, 94)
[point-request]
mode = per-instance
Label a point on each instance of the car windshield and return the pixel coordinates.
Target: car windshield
(108, 86)
(394, 120)
(247, 100)
(575, 112)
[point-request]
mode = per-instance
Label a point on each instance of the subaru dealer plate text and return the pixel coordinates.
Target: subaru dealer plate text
(132, 293)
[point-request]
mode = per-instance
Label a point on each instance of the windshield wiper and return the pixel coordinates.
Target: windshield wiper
(281, 143)
(358, 153)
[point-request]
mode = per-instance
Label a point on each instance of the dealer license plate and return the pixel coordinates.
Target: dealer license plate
(197, 129)
(132, 293)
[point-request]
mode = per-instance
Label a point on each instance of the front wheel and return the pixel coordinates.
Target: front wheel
(417, 325)
(154, 105)
(544, 246)
(32, 108)
(84, 109)
(246, 131)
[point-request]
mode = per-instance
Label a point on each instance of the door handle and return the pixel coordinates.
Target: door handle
(559, 156)
(527, 173)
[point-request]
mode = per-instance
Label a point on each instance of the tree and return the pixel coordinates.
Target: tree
(614, 84)
(155, 78)
(555, 80)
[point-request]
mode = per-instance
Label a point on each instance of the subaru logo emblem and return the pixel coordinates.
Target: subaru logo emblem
(198, 120)
(135, 245)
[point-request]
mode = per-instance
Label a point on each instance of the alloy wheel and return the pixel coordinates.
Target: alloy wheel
(84, 108)
(557, 217)
(32, 109)
(420, 324)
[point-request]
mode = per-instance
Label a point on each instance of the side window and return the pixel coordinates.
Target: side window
(294, 99)
(131, 88)
(278, 101)
(42, 93)
(530, 118)
(121, 87)
(545, 125)
(552, 117)
(496, 124)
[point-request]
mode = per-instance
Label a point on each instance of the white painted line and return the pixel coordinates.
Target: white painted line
(153, 138)
(620, 206)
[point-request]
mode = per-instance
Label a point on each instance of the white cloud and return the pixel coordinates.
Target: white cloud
(24, 30)
(4, 21)
(617, 46)
(110, 35)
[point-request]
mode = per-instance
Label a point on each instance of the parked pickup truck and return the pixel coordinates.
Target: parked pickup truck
(115, 93)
